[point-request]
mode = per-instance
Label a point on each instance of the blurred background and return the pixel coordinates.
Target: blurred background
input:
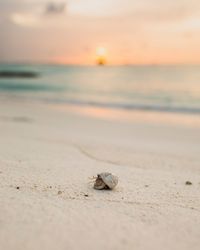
(50, 51)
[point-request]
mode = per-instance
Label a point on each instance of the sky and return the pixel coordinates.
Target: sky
(72, 31)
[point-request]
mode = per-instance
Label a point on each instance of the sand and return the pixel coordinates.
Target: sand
(48, 154)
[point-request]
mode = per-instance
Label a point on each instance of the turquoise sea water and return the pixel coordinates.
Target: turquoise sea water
(163, 88)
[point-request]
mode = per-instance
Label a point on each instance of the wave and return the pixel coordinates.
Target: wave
(142, 107)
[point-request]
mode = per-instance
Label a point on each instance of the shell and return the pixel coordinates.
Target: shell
(105, 181)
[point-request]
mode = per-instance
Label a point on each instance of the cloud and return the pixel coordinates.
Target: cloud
(26, 20)
(37, 13)
(55, 8)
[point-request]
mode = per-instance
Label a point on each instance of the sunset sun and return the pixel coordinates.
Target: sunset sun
(101, 56)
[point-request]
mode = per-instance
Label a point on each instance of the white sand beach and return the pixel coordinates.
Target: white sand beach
(48, 154)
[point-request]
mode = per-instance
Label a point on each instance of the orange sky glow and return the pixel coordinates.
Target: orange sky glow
(70, 32)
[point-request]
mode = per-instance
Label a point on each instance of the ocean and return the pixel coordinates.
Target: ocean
(157, 88)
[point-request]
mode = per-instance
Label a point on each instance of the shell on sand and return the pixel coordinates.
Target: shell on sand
(105, 181)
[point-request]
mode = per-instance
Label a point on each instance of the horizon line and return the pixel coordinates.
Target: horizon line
(96, 65)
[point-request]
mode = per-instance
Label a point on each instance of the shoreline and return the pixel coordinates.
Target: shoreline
(115, 114)
(134, 116)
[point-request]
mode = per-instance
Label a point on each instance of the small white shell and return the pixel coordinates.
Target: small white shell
(105, 181)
